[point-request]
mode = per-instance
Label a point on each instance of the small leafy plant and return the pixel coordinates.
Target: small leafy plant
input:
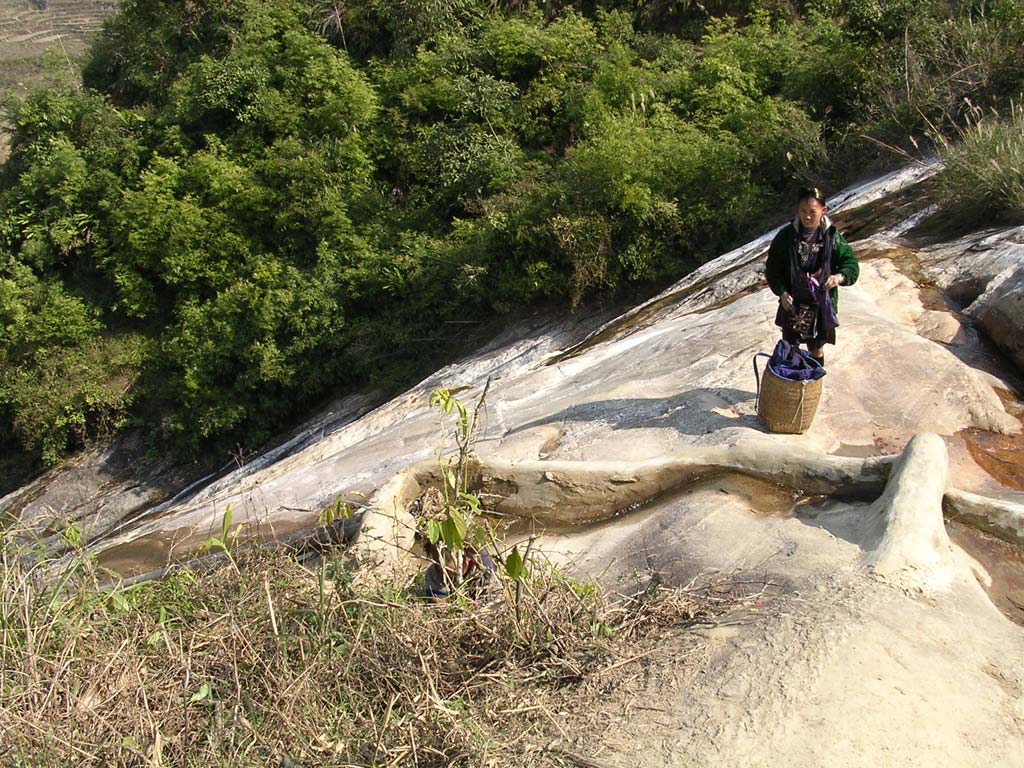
(341, 509)
(453, 524)
(451, 519)
(227, 540)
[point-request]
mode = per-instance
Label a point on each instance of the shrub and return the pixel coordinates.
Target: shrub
(65, 396)
(982, 181)
(143, 48)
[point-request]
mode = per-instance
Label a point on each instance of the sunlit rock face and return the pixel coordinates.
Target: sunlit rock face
(632, 448)
(673, 373)
(967, 268)
(1000, 310)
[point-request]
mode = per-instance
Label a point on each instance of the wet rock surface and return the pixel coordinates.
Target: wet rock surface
(97, 491)
(1000, 311)
(1002, 561)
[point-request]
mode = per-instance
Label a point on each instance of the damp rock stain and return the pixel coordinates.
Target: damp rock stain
(1001, 456)
(1004, 563)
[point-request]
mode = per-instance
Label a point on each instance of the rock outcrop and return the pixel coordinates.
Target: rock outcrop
(1000, 311)
(913, 548)
(984, 273)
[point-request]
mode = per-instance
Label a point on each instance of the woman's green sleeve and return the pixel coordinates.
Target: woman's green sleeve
(844, 260)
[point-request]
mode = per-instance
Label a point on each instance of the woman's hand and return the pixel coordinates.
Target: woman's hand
(834, 280)
(787, 302)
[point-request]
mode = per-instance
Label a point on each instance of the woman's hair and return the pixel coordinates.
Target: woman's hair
(810, 193)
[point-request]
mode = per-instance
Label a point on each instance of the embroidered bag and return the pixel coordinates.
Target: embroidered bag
(803, 321)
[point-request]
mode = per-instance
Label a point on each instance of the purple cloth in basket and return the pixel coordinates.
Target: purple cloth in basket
(794, 364)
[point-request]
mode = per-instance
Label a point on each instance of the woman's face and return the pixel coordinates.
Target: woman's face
(810, 212)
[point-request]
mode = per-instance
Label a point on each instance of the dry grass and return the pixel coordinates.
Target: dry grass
(274, 663)
(982, 182)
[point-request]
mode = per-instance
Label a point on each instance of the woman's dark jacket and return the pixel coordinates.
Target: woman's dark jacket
(782, 260)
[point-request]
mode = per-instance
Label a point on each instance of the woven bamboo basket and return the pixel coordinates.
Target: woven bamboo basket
(787, 406)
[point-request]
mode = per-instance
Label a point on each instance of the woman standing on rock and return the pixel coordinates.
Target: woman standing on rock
(807, 262)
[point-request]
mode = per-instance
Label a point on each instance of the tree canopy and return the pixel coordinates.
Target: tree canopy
(246, 206)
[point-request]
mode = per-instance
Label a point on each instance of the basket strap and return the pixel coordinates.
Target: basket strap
(799, 412)
(757, 377)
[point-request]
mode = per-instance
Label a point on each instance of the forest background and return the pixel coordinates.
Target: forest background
(237, 209)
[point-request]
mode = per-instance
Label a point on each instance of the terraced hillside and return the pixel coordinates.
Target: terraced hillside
(28, 28)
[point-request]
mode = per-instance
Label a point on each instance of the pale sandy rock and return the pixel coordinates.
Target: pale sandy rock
(966, 267)
(1001, 517)
(841, 670)
(943, 327)
(985, 273)
(902, 532)
(533, 443)
(386, 540)
(559, 493)
(913, 548)
(895, 296)
(883, 373)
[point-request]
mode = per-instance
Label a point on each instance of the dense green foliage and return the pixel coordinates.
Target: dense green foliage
(250, 205)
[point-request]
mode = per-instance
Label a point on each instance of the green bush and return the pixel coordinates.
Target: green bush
(64, 396)
(145, 47)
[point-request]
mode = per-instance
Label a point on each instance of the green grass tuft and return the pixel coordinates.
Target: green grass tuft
(982, 182)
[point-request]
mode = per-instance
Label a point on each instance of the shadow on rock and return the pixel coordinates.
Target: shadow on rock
(694, 412)
(843, 518)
